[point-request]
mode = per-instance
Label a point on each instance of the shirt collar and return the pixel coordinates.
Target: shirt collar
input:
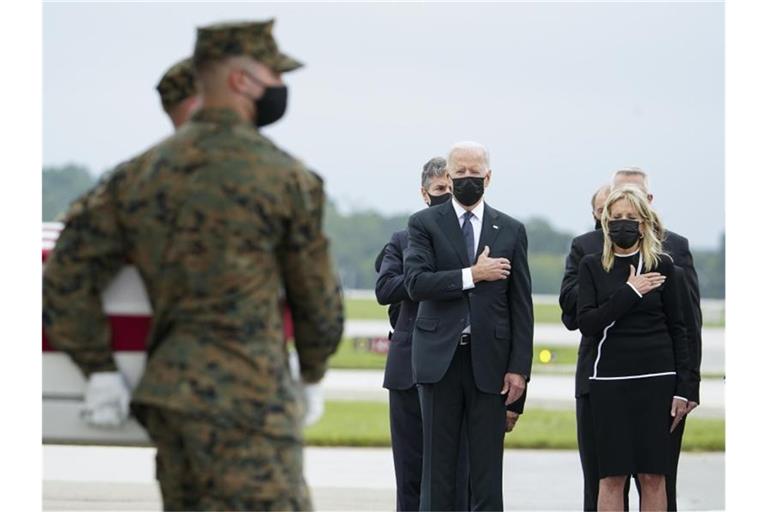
(222, 116)
(477, 211)
(626, 255)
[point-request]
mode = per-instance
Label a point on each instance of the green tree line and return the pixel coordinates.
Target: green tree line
(357, 237)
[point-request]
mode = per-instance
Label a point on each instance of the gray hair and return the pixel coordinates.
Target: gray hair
(630, 172)
(434, 168)
(470, 146)
(605, 189)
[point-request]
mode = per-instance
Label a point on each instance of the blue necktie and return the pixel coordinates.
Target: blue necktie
(469, 237)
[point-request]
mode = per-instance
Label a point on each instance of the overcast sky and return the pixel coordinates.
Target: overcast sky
(561, 94)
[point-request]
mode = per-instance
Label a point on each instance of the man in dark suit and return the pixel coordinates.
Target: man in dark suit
(404, 410)
(591, 242)
(473, 338)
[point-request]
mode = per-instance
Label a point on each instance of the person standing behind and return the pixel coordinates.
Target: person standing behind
(107, 396)
(473, 336)
(217, 220)
(568, 301)
(598, 204)
(629, 307)
(178, 92)
(678, 248)
(404, 410)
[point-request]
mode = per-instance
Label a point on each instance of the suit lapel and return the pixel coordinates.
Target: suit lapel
(489, 230)
(448, 222)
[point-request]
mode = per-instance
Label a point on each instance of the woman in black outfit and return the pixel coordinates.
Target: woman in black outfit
(641, 377)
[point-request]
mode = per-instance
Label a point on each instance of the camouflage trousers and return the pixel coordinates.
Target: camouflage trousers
(218, 465)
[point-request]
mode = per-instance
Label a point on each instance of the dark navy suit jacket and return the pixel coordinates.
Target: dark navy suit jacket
(500, 312)
(390, 290)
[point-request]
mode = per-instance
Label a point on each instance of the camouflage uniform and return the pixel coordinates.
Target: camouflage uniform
(177, 84)
(216, 219)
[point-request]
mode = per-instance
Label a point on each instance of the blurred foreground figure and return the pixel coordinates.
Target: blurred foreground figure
(217, 219)
(106, 397)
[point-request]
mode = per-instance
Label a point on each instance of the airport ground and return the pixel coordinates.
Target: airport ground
(112, 478)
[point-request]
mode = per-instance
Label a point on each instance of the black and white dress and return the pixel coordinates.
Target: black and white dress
(641, 363)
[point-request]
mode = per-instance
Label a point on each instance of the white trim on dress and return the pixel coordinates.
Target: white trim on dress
(605, 334)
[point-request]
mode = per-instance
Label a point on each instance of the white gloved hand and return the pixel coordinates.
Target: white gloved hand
(106, 400)
(313, 401)
(311, 394)
(293, 365)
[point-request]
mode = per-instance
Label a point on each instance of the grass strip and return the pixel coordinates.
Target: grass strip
(369, 309)
(355, 354)
(348, 423)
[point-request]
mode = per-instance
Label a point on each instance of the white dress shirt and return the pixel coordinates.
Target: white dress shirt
(477, 224)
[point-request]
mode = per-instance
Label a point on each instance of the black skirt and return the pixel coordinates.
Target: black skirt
(632, 423)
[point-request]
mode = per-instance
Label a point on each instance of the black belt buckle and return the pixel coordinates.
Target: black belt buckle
(464, 340)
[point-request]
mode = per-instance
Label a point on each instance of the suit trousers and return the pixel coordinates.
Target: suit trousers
(445, 405)
(407, 441)
(588, 454)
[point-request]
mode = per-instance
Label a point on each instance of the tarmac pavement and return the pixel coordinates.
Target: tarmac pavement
(115, 478)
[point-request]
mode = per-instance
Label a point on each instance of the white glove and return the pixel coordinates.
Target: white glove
(106, 400)
(311, 394)
(313, 401)
(293, 365)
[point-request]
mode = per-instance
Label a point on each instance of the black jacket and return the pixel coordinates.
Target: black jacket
(500, 312)
(390, 290)
(638, 336)
(393, 310)
(677, 247)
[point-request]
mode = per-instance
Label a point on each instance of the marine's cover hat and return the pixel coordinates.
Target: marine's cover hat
(177, 84)
(252, 38)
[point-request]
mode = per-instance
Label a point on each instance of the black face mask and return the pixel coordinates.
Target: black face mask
(598, 224)
(436, 200)
(624, 232)
(469, 190)
(271, 106)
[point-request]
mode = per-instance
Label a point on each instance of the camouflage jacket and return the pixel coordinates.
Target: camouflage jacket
(217, 221)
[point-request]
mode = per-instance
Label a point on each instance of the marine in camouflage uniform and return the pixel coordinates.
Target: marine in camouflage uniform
(177, 84)
(178, 91)
(216, 219)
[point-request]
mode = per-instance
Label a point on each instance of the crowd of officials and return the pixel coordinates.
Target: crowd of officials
(630, 288)
(225, 228)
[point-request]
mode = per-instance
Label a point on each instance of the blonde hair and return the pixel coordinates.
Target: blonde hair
(651, 229)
